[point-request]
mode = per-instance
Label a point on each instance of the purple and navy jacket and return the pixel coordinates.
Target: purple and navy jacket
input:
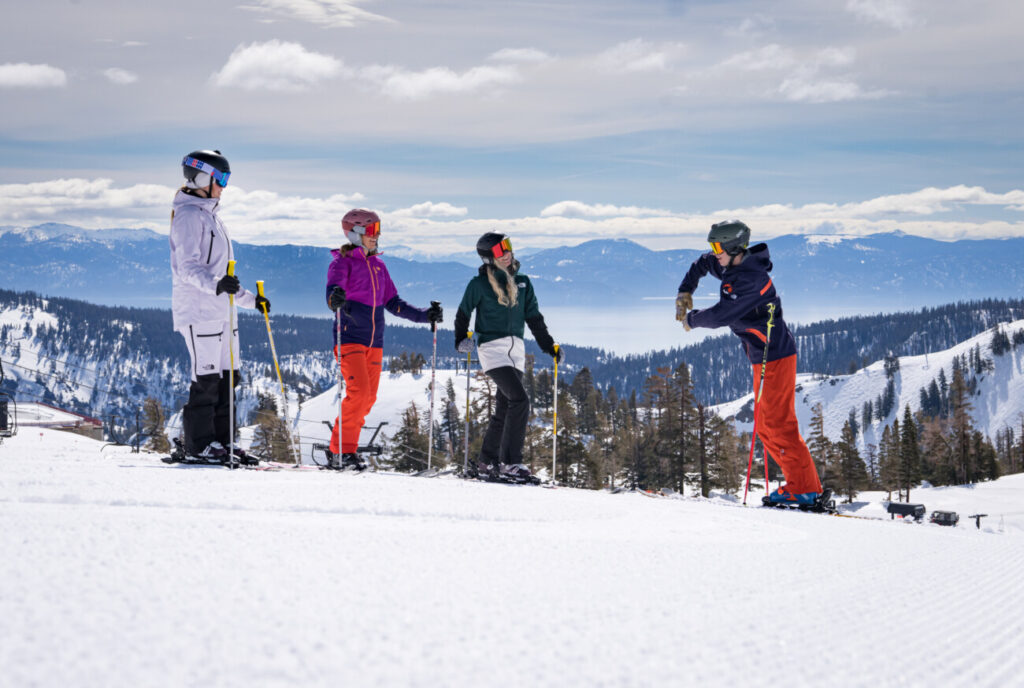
(743, 300)
(368, 291)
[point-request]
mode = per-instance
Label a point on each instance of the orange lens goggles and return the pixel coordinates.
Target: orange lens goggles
(501, 248)
(716, 248)
(370, 230)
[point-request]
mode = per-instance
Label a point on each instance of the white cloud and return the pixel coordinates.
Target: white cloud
(121, 77)
(519, 55)
(639, 55)
(751, 27)
(578, 209)
(266, 217)
(770, 57)
(430, 209)
(402, 84)
(330, 13)
(24, 75)
(894, 13)
(276, 66)
(808, 90)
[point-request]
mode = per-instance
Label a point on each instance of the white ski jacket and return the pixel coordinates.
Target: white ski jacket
(200, 251)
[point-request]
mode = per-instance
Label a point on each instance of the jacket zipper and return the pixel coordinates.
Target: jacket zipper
(209, 254)
(373, 310)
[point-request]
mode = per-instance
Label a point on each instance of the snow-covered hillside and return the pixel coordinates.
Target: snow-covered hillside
(997, 404)
(120, 570)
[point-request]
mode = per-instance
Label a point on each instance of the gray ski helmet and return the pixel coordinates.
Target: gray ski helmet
(208, 162)
(359, 222)
(485, 245)
(731, 236)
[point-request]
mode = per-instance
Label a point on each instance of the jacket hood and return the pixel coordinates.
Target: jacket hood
(182, 200)
(758, 258)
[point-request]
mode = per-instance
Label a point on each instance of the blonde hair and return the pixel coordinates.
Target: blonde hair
(509, 296)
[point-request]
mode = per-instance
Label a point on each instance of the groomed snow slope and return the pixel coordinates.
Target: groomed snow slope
(119, 570)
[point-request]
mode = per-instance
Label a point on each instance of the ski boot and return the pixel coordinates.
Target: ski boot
(819, 502)
(517, 473)
(243, 458)
(352, 461)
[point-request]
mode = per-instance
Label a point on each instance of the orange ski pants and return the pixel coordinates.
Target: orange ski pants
(778, 427)
(360, 366)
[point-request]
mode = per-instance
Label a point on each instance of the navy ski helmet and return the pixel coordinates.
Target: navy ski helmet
(731, 237)
(201, 166)
(358, 223)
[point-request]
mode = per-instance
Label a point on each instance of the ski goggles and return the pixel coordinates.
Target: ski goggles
(716, 248)
(220, 177)
(501, 248)
(370, 230)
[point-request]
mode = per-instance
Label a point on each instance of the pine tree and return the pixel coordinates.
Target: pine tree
(271, 438)
(888, 459)
(910, 453)
(410, 442)
(852, 476)
(817, 443)
(153, 426)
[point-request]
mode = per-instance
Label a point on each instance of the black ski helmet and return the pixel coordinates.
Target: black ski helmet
(485, 246)
(211, 158)
(732, 236)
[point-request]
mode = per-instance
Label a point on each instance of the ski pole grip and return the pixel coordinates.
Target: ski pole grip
(434, 304)
(259, 287)
(231, 268)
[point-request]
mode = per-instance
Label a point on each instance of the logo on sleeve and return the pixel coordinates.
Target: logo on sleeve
(727, 291)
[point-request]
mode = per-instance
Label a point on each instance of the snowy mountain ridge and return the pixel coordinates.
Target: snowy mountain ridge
(998, 401)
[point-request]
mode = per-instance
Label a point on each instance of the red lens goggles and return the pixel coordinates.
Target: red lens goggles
(716, 248)
(501, 248)
(370, 230)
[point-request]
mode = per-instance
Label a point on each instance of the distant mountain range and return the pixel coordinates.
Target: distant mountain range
(818, 276)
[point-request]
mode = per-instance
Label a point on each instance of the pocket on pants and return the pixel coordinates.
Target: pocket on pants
(205, 341)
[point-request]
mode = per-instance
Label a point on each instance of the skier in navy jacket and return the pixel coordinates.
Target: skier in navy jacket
(745, 297)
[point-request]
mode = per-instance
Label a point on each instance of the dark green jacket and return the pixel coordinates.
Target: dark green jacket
(494, 321)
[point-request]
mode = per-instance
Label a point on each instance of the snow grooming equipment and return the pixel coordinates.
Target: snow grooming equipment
(280, 380)
(433, 383)
(469, 363)
(554, 422)
(232, 459)
(757, 405)
(8, 412)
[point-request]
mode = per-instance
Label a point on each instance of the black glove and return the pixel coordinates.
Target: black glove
(229, 284)
(555, 354)
(263, 304)
(435, 313)
(337, 299)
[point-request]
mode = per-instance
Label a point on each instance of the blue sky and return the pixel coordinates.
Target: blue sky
(553, 121)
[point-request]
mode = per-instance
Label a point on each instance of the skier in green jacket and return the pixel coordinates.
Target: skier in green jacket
(504, 302)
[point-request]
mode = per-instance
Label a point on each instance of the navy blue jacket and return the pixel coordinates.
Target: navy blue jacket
(743, 300)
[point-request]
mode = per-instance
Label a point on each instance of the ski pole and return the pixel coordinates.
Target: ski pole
(757, 407)
(554, 423)
(433, 380)
(469, 362)
(280, 379)
(231, 373)
(341, 376)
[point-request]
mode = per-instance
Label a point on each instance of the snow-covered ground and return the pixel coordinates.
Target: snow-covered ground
(116, 569)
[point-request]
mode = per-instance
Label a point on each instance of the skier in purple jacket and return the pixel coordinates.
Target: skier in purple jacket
(359, 285)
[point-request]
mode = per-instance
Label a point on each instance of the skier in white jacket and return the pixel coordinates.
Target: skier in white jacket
(200, 251)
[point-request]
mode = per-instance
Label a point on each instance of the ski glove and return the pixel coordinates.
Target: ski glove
(263, 304)
(464, 345)
(229, 284)
(684, 303)
(435, 313)
(337, 299)
(557, 355)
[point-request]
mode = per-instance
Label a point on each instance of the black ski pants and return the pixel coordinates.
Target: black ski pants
(207, 414)
(503, 441)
